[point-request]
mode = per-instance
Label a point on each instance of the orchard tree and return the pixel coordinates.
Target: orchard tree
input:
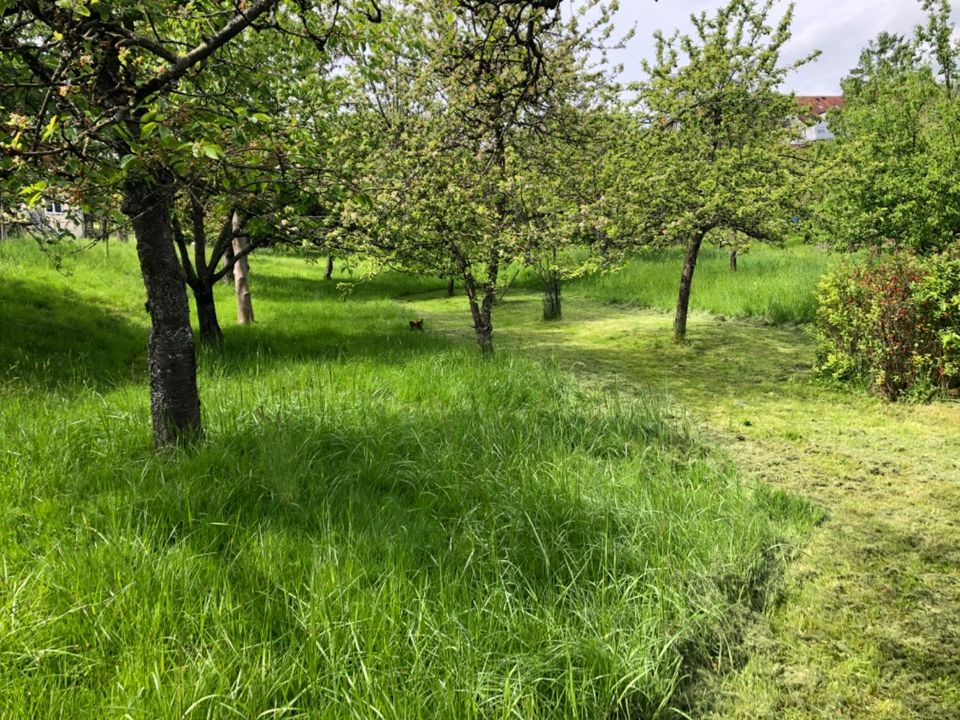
(897, 151)
(450, 119)
(722, 160)
(271, 179)
(91, 91)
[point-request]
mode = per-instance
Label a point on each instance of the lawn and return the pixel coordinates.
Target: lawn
(377, 524)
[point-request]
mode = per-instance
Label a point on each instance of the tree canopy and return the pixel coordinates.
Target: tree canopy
(897, 155)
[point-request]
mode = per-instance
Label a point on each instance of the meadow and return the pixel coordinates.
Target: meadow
(378, 523)
(775, 284)
(595, 523)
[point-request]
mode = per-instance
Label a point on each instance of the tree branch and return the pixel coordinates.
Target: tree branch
(174, 72)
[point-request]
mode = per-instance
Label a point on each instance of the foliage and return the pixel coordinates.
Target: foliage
(897, 153)
(96, 91)
(893, 322)
(470, 128)
(720, 156)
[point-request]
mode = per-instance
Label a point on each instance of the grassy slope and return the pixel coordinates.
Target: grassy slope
(378, 525)
(869, 623)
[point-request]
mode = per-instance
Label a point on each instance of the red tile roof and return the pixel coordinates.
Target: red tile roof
(819, 104)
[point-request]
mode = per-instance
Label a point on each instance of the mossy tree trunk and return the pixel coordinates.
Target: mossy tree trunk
(481, 296)
(552, 308)
(172, 363)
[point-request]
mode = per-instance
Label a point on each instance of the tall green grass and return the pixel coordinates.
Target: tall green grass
(773, 284)
(379, 524)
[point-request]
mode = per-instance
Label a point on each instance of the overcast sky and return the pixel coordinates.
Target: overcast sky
(838, 28)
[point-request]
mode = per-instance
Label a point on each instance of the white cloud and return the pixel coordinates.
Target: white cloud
(840, 29)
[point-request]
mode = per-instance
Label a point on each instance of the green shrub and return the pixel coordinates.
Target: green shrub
(893, 323)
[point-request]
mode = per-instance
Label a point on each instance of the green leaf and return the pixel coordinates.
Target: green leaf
(77, 7)
(32, 193)
(212, 151)
(49, 129)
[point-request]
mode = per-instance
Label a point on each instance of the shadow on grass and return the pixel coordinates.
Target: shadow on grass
(56, 339)
(63, 340)
(349, 332)
(338, 519)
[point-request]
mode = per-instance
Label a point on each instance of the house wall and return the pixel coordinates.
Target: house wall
(820, 131)
(48, 217)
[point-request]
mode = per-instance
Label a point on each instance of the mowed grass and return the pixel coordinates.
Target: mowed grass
(378, 524)
(773, 284)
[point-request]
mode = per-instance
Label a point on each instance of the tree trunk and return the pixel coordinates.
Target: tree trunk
(329, 273)
(482, 311)
(241, 274)
(174, 398)
(552, 309)
(229, 278)
(210, 332)
(451, 286)
(733, 259)
(686, 282)
(483, 321)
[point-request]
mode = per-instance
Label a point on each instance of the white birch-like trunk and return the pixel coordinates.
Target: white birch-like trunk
(241, 275)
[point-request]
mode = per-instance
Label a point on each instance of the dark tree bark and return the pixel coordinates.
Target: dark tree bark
(552, 309)
(210, 331)
(481, 297)
(174, 398)
(201, 275)
(482, 311)
(201, 272)
(686, 282)
(451, 286)
(733, 259)
(328, 275)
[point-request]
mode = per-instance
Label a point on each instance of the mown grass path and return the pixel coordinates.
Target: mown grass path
(868, 619)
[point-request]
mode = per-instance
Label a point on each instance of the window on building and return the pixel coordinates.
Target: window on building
(56, 207)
